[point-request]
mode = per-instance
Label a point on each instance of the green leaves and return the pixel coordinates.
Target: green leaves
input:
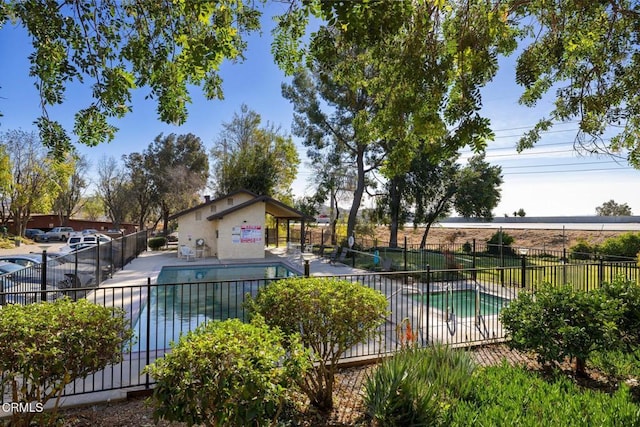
(45, 346)
(560, 322)
(330, 315)
(226, 373)
(119, 46)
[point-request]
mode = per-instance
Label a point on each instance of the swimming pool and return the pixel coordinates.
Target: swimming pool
(463, 302)
(184, 297)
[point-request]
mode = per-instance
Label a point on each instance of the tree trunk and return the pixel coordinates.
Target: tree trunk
(394, 209)
(357, 194)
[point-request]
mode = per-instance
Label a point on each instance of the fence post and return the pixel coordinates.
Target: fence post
(148, 332)
(405, 253)
(601, 271)
(564, 262)
(428, 301)
(43, 276)
(524, 271)
(98, 272)
(474, 274)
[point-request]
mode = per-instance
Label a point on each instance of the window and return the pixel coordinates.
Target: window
(198, 215)
(230, 201)
(213, 208)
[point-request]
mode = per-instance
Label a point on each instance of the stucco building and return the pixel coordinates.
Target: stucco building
(232, 226)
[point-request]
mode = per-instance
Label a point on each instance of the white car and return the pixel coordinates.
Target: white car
(78, 241)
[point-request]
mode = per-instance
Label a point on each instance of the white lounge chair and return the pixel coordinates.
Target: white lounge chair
(187, 252)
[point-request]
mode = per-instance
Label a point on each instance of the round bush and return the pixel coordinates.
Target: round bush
(225, 373)
(45, 346)
(156, 243)
(331, 315)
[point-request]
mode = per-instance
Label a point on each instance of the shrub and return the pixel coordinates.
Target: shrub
(45, 346)
(625, 245)
(625, 295)
(416, 385)
(582, 250)
(156, 243)
(505, 395)
(493, 244)
(559, 322)
(225, 373)
(331, 316)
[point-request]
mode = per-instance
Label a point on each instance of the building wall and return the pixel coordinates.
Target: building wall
(222, 240)
(47, 222)
(194, 226)
(241, 233)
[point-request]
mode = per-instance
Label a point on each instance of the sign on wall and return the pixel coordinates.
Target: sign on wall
(251, 234)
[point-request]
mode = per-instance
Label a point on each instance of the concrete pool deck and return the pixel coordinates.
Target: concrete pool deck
(149, 264)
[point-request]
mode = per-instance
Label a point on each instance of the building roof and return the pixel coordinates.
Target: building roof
(273, 207)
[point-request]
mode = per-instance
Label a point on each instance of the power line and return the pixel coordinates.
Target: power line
(569, 171)
(558, 164)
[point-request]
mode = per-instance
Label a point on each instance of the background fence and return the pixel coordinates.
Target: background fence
(77, 271)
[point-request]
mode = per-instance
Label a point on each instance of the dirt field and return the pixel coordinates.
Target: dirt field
(531, 238)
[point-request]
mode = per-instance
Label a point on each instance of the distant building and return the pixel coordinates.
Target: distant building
(47, 222)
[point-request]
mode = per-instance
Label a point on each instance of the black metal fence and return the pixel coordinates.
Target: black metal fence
(453, 306)
(70, 274)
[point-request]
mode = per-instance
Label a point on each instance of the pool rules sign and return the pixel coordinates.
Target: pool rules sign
(250, 234)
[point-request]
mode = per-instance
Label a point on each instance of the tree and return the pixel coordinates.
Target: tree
(142, 188)
(253, 157)
(412, 72)
(331, 134)
(481, 183)
(92, 207)
(114, 190)
(121, 46)
(434, 188)
(179, 167)
(612, 208)
(70, 199)
(34, 177)
(587, 52)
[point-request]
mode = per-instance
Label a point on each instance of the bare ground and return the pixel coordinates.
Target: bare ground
(548, 239)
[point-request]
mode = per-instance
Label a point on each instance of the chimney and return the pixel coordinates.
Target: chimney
(207, 199)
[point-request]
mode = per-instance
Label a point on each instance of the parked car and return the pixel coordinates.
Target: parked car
(59, 233)
(89, 231)
(36, 235)
(27, 260)
(58, 275)
(77, 241)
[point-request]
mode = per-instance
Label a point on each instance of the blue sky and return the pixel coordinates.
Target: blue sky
(551, 179)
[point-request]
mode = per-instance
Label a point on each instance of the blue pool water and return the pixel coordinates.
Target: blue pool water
(463, 302)
(187, 296)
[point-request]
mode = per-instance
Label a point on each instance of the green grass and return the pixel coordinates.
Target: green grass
(506, 271)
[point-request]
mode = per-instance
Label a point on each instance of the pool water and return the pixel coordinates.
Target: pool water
(222, 272)
(463, 302)
(187, 297)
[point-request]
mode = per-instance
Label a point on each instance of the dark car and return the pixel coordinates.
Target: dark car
(36, 235)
